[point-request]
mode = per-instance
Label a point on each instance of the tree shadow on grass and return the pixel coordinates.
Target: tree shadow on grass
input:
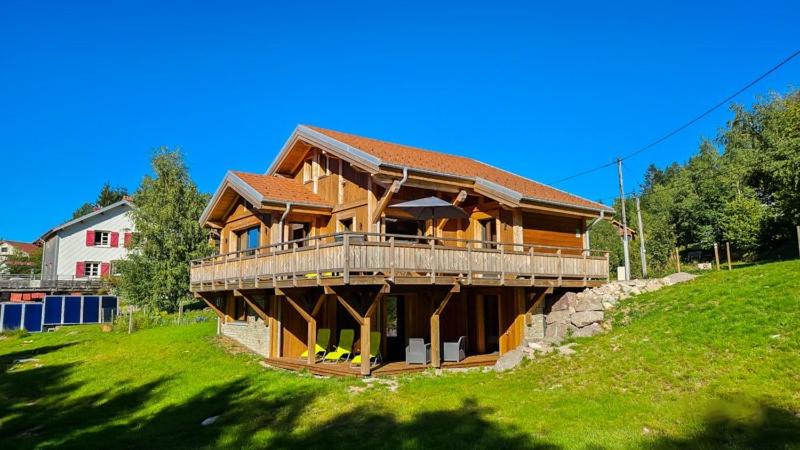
(9, 360)
(465, 427)
(740, 424)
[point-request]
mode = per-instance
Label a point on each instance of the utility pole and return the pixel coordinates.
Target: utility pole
(624, 222)
(641, 239)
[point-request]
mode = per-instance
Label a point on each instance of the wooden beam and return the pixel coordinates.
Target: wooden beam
(261, 313)
(384, 201)
(318, 305)
(311, 323)
(462, 195)
(350, 310)
(538, 299)
(436, 360)
(219, 312)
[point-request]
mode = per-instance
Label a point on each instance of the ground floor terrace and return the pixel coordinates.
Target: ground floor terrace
(403, 328)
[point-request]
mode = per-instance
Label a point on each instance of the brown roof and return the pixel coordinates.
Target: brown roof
(281, 189)
(417, 158)
(22, 246)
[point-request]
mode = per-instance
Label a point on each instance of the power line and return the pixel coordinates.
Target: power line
(687, 124)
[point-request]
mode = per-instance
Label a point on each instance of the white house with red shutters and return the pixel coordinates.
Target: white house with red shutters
(88, 247)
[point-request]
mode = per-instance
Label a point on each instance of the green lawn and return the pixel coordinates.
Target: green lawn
(712, 363)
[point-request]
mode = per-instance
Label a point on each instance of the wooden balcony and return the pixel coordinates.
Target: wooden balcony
(372, 258)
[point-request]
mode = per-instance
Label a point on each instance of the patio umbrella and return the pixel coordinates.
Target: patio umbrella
(431, 208)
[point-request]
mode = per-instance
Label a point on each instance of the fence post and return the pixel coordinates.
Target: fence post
(346, 268)
(130, 320)
(728, 251)
(716, 254)
(678, 258)
(798, 240)
(180, 311)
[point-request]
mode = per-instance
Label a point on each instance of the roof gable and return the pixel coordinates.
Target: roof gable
(258, 190)
(101, 211)
(371, 154)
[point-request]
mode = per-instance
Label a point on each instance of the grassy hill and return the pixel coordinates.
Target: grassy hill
(711, 363)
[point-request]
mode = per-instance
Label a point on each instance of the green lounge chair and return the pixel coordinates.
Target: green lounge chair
(344, 348)
(323, 342)
(374, 349)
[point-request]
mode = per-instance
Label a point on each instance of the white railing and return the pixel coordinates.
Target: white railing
(390, 255)
(35, 281)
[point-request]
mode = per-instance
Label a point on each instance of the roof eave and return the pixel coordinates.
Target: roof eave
(100, 211)
(321, 140)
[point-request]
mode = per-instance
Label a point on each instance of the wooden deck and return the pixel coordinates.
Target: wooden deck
(346, 369)
(371, 258)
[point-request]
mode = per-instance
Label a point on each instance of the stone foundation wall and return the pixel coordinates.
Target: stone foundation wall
(253, 334)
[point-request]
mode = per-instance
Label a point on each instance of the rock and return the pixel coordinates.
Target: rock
(25, 360)
(585, 318)
(209, 421)
(566, 300)
(566, 350)
(680, 277)
(589, 330)
(535, 345)
(508, 361)
(561, 316)
(556, 332)
(589, 303)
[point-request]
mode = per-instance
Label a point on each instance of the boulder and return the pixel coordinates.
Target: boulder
(589, 303)
(589, 330)
(565, 302)
(561, 316)
(556, 332)
(680, 277)
(585, 318)
(509, 360)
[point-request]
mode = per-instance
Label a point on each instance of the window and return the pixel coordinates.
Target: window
(326, 163)
(402, 226)
(247, 239)
(91, 269)
(115, 267)
(3, 249)
(347, 224)
(488, 232)
(299, 231)
(307, 174)
(102, 238)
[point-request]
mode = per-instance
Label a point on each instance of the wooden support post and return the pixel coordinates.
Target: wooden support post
(436, 343)
(678, 258)
(728, 253)
(365, 325)
(311, 325)
(365, 346)
(716, 254)
(798, 239)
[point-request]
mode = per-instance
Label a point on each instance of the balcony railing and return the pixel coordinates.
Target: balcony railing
(348, 258)
(33, 282)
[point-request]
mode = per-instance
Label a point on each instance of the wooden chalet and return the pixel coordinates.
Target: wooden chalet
(315, 243)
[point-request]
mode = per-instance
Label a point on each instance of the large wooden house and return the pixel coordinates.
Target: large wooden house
(316, 243)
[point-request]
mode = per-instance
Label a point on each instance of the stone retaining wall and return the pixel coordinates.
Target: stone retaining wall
(253, 334)
(582, 314)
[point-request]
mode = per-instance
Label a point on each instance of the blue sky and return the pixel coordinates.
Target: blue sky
(89, 89)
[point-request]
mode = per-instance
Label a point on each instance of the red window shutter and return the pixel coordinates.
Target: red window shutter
(114, 239)
(89, 238)
(105, 269)
(128, 239)
(80, 267)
